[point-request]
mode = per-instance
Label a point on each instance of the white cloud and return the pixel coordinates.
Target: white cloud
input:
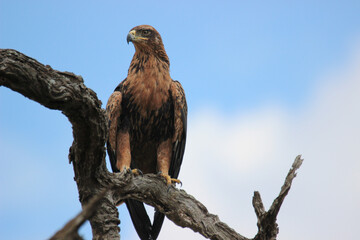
(227, 158)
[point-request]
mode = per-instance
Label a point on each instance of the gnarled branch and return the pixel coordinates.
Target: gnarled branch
(66, 92)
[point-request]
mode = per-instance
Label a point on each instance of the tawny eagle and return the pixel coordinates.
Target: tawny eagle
(147, 122)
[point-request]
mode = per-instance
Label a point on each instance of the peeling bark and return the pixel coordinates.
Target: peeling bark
(100, 190)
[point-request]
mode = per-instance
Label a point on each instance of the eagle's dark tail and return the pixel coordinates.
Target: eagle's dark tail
(141, 221)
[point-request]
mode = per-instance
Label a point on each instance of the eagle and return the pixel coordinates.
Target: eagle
(147, 122)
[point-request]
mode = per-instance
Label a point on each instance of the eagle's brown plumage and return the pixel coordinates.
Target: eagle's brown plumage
(147, 127)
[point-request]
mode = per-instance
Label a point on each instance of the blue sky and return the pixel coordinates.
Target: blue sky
(240, 62)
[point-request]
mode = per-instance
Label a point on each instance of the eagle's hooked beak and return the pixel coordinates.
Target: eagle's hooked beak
(131, 36)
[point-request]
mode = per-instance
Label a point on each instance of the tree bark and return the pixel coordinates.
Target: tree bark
(66, 92)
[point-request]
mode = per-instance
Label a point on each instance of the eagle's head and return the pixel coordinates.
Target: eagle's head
(145, 37)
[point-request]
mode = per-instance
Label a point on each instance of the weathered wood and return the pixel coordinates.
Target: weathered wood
(267, 226)
(178, 206)
(66, 92)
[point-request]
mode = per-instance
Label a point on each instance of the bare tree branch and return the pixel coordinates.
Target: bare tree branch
(66, 92)
(267, 226)
(70, 230)
(178, 206)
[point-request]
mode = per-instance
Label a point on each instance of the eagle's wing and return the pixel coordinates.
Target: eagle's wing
(113, 111)
(180, 124)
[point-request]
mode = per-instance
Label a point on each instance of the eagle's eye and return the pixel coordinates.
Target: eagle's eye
(146, 32)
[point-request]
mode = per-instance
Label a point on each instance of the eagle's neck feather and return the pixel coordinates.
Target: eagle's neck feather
(148, 82)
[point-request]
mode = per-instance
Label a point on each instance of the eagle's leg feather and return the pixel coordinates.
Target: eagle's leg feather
(164, 153)
(123, 151)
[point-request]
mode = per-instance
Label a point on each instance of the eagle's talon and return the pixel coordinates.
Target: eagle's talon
(169, 180)
(137, 172)
(126, 169)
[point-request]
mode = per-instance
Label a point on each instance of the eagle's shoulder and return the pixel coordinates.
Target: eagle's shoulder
(114, 103)
(122, 86)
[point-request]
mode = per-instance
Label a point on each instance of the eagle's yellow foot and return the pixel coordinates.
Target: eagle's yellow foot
(135, 171)
(169, 180)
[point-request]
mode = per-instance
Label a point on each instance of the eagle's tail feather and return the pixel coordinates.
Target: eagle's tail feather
(141, 221)
(157, 224)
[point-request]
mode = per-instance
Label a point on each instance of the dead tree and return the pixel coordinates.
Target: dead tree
(99, 189)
